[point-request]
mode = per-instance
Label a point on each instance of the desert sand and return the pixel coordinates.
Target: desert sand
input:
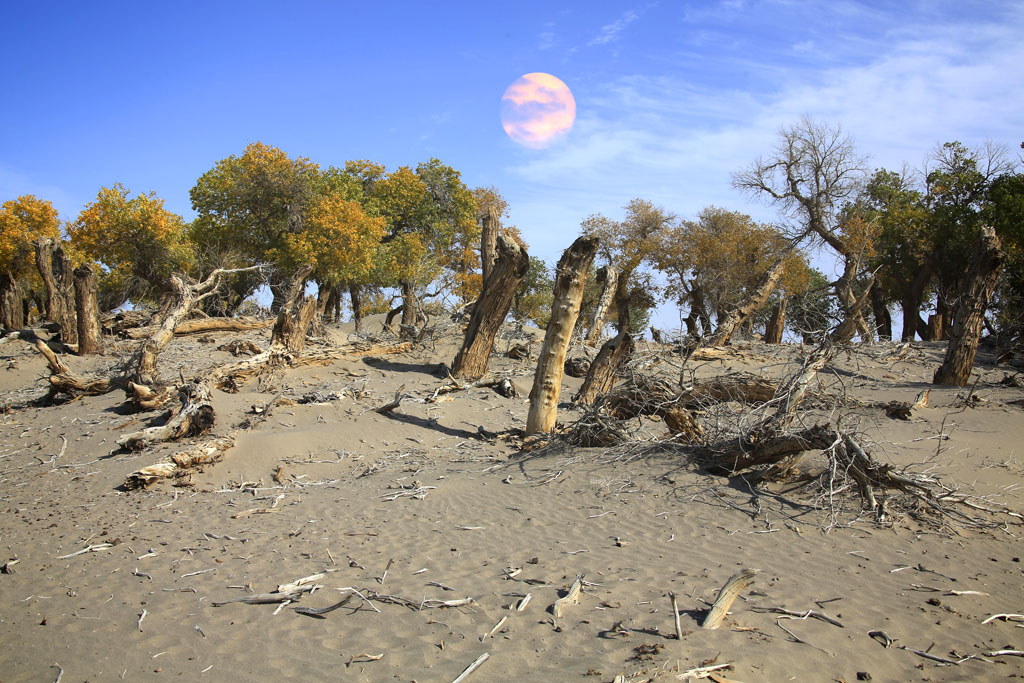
(429, 503)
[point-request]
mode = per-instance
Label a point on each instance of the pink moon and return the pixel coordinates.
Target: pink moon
(537, 109)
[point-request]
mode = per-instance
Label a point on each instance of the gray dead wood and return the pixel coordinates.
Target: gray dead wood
(195, 417)
(610, 279)
(571, 597)
(730, 591)
(601, 375)
(757, 298)
(565, 308)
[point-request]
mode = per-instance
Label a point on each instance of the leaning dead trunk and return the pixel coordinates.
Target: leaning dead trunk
(55, 269)
(970, 310)
(87, 312)
(489, 241)
(757, 298)
(773, 331)
(565, 309)
(491, 309)
(601, 375)
(610, 277)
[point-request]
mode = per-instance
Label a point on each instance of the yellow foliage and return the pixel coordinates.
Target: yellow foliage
(139, 241)
(22, 222)
(340, 240)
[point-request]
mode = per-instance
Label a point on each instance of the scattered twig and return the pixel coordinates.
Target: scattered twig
(730, 591)
(1004, 617)
(90, 549)
(471, 668)
(572, 597)
(675, 615)
(141, 617)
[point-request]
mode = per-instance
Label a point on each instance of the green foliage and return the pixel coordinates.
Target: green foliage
(532, 301)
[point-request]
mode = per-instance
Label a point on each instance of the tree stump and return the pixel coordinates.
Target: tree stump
(55, 269)
(491, 309)
(87, 312)
(601, 375)
(565, 309)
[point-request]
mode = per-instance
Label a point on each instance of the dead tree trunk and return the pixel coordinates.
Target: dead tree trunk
(489, 241)
(12, 312)
(848, 300)
(357, 307)
(565, 309)
(880, 311)
(87, 312)
(410, 311)
(491, 309)
(970, 310)
(773, 331)
(601, 375)
(610, 277)
(757, 298)
(295, 317)
(56, 271)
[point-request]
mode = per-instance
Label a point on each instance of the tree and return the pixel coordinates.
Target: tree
(812, 175)
(248, 205)
(902, 245)
(956, 195)
(139, 243)
(22, 221)
(1005, 212)
(715, 262)
(627, 245)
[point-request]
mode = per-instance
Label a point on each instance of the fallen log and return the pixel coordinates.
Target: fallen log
(199, 325)
(197, 456)
(195, 417)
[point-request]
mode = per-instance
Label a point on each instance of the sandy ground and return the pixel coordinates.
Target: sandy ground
(494, 525)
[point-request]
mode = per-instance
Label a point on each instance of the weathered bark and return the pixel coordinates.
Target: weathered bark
(970, 310)
(601, 375)
(182, 298)
(756, 299)
(610, 277)
(55, 269)
(565, 309)
(200, 325)
(87, 312)
(912, 293)
(848, 300)
(623, 319)
(410, 311)
(489, 241)
(491, 309)
(854, 319)
(773, 331)
(357, 307)
(206, 453)
(195, 417)
(698, 314)
(880, 311)
(12, 312)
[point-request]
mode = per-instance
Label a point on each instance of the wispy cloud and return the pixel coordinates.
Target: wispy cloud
(610, 32)
(676, 142)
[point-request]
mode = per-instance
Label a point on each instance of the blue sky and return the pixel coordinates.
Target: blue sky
(671, 96)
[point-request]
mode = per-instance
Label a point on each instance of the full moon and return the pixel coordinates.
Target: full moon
(537, 109)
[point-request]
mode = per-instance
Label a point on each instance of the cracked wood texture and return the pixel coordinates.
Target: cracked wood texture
(491, 308)
(565, 309)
